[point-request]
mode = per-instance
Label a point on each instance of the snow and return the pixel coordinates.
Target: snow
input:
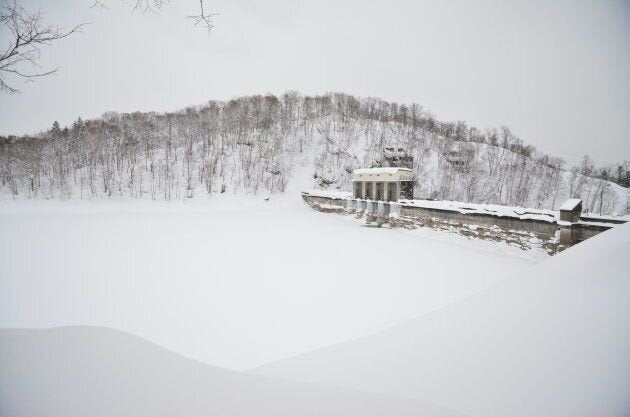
(335, 144)
(380, 170)
(234, 281)
(99, 372)
(460, 207)
(491, 209)
(570, 204)
(335, 194)
(604, 219)
(593, 223)
(551, 341)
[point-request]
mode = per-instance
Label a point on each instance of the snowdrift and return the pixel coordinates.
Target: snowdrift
(93, 371)
(552, 341)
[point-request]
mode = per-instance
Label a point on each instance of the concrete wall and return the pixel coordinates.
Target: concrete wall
(539, 227)
(580, 232)
(325, 204)
(519, 232)
(310, 199)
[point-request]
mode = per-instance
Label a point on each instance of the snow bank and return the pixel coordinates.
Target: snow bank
(552, 341)
(98, 372)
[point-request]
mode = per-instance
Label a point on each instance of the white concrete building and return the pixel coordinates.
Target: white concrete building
(386, 184)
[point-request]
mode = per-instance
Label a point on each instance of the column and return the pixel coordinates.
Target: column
(385, 190)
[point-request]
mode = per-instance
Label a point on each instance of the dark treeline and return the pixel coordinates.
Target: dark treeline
(252, 144)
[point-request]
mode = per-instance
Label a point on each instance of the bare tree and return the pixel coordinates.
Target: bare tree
(27, 34)
(249, 144)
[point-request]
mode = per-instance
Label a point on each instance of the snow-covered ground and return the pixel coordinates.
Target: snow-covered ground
(233, 281)
(552, 341)
(382, 321)
(98, 372)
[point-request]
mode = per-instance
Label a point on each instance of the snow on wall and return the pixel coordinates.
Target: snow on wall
(333, 194)
(488, 209)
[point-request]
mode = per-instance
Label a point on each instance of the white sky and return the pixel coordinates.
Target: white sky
(555, 72)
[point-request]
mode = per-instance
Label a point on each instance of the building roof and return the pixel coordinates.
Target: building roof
(384, 170)
(570, 204)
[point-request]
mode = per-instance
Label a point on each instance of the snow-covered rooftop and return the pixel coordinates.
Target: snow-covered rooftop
(570, 204)
(382, 170)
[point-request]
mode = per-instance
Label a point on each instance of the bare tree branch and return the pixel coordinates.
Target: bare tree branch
(99, 4)
(27, 34)
(204, 18)
(149, 5)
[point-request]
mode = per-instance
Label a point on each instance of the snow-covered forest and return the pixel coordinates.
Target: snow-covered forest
(253, 144)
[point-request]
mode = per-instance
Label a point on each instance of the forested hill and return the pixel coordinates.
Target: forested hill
(254, 144)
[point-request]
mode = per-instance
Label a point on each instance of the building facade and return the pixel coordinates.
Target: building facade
(385, 184)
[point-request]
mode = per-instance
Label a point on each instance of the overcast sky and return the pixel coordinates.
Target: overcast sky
(556, 73)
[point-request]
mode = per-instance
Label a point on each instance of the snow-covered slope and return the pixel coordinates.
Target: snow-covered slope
(254, 145)
(98, 372)
(552, 341)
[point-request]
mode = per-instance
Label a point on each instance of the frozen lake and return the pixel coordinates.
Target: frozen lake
(236, 282)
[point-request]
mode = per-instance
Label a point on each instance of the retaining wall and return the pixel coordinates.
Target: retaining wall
(581, 231)
(539, 227)
(522, 232)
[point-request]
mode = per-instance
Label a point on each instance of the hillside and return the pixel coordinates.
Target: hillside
(99, 372)
(252, 144)
(552, 341)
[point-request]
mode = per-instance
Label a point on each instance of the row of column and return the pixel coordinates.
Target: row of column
(375, 211)
(374, 185)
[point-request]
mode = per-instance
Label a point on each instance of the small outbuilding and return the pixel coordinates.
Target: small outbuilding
(385, 184)
(571, 210)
